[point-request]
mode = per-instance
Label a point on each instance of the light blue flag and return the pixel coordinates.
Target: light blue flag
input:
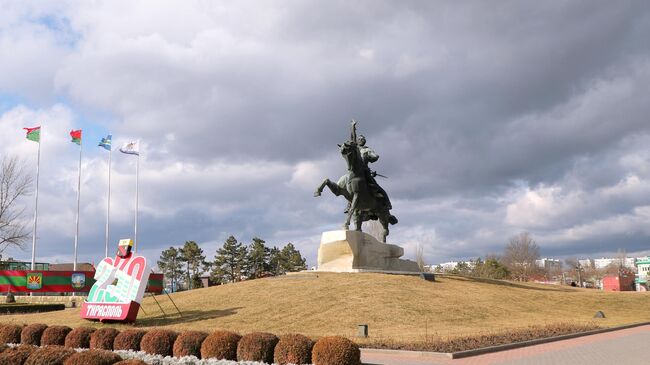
(106, 142)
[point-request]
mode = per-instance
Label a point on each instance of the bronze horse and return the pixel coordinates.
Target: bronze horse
(354, 186)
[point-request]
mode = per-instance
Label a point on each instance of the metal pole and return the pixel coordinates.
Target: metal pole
(38, 164)
(135, 233)
(76, 236)
(108, 203)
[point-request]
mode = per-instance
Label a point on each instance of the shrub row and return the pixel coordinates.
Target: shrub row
(58, 343)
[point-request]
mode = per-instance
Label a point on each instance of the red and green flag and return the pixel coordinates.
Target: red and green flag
(34, 134)
(76, 136)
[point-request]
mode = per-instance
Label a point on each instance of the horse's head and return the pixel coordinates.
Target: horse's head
(351, 154)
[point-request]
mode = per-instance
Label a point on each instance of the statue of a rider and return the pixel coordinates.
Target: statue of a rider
(369, 156)
(366, 199)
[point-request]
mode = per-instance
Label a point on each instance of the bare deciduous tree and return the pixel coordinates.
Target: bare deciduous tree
(520, 255)
(419, 256)
(14, 183)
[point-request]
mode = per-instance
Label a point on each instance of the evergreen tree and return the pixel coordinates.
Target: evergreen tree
(257, 258)
(170, 265)
(229, 261)
(291, 259)
(275, 261)
(194, 259)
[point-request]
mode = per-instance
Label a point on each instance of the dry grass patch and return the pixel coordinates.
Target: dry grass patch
(397, 308)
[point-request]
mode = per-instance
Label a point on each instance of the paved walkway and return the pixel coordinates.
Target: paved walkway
(624, 347)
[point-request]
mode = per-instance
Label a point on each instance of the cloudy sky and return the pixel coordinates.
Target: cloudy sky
(489, 119)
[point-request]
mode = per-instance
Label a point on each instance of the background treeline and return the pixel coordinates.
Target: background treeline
(184, 266)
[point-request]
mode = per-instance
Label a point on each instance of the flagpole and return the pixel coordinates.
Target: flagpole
(38, 164)
(108, 203)
(76, 236)
(137, 177)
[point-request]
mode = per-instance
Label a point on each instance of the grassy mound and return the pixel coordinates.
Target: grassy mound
(10, 333)
(55, 335)
(16, 355)
(128, 340)
(79, 338)
(103, 338)
(395, 307)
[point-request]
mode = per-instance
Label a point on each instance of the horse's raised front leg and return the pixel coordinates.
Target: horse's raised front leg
(320, 188)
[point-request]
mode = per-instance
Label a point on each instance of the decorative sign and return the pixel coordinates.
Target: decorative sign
(78, 280)
(34, 280)
(119, 286)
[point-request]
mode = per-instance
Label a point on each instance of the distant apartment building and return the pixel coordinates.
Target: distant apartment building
(629, 262)
(549, 264)
(643, 274)
(586, 263)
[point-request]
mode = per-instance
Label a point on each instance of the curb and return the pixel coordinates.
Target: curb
(497, 348)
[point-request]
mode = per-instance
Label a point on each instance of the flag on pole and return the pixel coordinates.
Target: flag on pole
(131, 148)
(106, 142)
(76, 136)
(34, 134)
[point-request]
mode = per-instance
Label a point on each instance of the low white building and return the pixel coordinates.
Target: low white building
(629, 262)
(586, 263)
(548, 264)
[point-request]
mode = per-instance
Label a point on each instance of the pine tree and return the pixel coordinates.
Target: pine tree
(275, 261)
(170, 265)
(229, 261)
(257, 258)
(194, 259)
(291, 259)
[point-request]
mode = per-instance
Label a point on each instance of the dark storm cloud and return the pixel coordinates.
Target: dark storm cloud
(490, 118)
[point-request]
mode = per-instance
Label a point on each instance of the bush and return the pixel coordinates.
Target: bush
(128, 340)
(55, 335)
(10, 333)
(257, 346)
(31, 335)
(94, 357)
(220, 345)
(50, 355)
(335, 350)
(103, 338)
(189, 344)
(79, 338)
(16, 355)
(131, 362)
(293, 349)
(158, 342)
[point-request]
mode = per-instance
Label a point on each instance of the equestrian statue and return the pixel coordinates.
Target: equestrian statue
(366, 199)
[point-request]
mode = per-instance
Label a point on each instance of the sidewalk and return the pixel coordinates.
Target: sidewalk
(624, 347)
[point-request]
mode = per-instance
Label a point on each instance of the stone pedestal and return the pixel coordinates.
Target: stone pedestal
(354, 251)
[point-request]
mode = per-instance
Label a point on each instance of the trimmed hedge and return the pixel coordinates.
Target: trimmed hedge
(31, 335)
(10, 333)
(50, 355)
(257, 346)
(336, 350)
(55, 335)
(131, 362)
(22, 308)
(158, 342)
(16, 355)
(189, 344)
(79, 338)
(128, 340)
(220, 345)
(94, 357)
(103, 338)
(293, 349)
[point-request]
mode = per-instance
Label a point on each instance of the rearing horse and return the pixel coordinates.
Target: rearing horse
(364, 204)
